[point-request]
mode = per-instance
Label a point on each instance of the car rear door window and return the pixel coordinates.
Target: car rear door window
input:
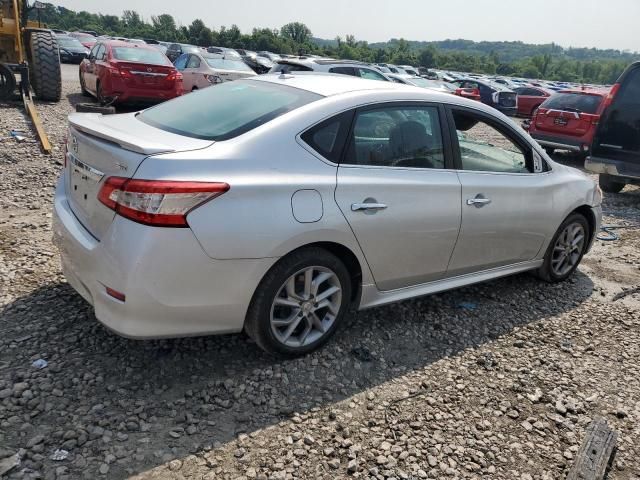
(328, 138)
(485, 147)
(344, 71)
(370, 74)
(101, 53)
(194, 62)
(397, 136)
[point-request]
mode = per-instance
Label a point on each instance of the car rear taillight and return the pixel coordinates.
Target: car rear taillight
(608, 100)
(174, 76)
(160, 203)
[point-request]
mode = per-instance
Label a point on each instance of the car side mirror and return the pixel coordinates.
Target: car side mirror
(538, 163)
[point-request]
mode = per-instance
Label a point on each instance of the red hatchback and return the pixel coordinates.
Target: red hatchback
(121, 72)
(530, 98)
(568, 120)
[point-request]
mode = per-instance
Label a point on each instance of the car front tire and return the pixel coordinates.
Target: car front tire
(566, 250)
(300, 303)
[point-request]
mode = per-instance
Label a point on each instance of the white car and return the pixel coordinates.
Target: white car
(328, 65)
(274, 204)
(203, 69)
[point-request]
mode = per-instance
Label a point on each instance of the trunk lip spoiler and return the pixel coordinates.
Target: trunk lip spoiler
(90, 123)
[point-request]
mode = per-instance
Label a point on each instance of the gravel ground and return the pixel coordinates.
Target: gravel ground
(493, 381)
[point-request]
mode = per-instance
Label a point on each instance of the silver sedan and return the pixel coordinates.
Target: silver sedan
(272, 205)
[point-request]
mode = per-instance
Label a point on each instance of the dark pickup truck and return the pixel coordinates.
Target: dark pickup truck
(615, 151)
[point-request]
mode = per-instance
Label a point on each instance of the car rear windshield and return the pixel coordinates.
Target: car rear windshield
(574, 102)
(69, 42)
(287, 67)
(140, 55)
(226, 110)
(227, 64)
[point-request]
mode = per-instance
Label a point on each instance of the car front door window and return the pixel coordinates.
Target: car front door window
(181, 62)
(484, 148)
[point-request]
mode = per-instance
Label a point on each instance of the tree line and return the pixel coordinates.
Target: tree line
(517, 59)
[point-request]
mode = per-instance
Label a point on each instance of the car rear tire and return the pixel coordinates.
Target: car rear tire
(609, 185)
(83, 88)
(300, 303)
(566, 250)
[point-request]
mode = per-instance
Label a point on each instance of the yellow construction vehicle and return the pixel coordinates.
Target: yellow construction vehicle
(31, 52)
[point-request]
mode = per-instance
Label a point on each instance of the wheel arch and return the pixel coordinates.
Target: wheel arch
(587, 212)
(346, 256)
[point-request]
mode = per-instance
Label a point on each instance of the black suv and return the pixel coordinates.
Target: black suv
(615, 151)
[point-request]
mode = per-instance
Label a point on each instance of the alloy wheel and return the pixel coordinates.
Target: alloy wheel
(568, 249)
(306, 306)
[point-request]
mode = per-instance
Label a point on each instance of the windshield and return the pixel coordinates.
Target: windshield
(573, 102)
(226, 111)
(69, 42)
(424, 83)
(220, 63)
(141, 55)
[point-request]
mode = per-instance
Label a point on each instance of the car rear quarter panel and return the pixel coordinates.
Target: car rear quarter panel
(255, 219)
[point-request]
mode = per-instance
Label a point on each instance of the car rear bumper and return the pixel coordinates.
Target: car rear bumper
(578, 144)
(617, 168)
(172, 288)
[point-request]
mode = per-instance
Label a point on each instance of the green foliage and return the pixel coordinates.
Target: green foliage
(518, 59)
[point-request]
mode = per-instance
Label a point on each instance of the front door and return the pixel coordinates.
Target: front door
(397, 189)
(507, 195)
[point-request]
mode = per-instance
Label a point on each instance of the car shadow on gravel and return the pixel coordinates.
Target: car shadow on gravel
(164, 399)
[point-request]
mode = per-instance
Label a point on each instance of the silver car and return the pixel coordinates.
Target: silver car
(273, 204)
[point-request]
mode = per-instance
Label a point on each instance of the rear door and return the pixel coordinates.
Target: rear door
(191, 73)
(397, 190)
(618, 135)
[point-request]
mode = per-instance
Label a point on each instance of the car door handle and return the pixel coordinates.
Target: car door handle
(357, 207)
(479, 201)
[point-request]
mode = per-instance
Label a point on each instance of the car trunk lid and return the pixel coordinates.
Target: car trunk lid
(142, 75)
(99, 147)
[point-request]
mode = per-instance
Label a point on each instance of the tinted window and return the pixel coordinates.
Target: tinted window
(619, 134)
(194, 62)
(226, 111)
(485, 148)
(370, 74)
(402, 136)
(141, 55)
(574, 102)
(181, 61)
(328, 137)
(343, 70)
(289, 67)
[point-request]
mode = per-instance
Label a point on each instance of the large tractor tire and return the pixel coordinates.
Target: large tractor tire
(46, 78)
(7, 82)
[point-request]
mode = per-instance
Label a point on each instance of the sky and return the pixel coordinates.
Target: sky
(576, 23)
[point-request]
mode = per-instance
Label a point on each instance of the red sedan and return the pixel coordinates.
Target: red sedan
(121, 72)
(530, 98)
